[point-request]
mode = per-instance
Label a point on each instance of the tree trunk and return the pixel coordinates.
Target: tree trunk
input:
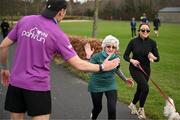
(94, 32)
(25, 7)
(71, 3)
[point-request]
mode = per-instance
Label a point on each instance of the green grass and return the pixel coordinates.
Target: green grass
(166, 73)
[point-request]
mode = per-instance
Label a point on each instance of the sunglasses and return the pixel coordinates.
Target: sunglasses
(109, 46)
(142, 30)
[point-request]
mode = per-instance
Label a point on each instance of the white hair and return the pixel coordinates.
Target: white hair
(110, 40)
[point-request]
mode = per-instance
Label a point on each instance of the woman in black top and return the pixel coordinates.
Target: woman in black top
(144, 50)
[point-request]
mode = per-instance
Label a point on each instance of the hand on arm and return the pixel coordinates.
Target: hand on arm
(109, 65)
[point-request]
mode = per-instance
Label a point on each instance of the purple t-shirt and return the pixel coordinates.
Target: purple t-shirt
(38, 38)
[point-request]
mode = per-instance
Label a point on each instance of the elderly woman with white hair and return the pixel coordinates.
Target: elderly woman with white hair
(104, 82)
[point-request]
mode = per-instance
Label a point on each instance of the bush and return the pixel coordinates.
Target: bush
(78, 44)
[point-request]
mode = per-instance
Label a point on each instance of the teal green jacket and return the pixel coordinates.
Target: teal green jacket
(102, 81)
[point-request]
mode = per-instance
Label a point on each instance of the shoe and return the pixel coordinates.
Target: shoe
(133, 109)
(141, 114)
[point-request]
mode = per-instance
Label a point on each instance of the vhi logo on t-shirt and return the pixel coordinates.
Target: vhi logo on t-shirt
(35, 34)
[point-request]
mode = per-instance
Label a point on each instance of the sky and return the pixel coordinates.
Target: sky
(80, 0)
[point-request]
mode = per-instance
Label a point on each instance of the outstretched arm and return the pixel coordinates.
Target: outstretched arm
(83, 65)
(121, 75)
(128, 81)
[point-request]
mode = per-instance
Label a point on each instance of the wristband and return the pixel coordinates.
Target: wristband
(3, 66)
(101, 67)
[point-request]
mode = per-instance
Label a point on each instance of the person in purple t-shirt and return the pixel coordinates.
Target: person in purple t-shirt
(38, 37)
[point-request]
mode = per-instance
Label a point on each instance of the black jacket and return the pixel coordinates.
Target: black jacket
(140, 49)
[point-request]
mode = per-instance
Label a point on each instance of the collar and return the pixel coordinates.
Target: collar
(104, 54)
(142, 39)
(55, 21)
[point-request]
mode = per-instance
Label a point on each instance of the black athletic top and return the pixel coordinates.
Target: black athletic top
(140, 49)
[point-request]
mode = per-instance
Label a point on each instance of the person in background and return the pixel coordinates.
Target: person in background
(104, 82)
(133, 27)
(37, 38)
(156, 24)
(144, 50)
(144, 19)
(4, 27)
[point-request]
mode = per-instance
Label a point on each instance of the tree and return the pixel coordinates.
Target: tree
(71, 3)
(94, 32)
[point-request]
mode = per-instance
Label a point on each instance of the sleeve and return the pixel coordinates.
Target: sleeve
(64, 47)
(13, 34)
(155, 51)
(94, 59)
(117, 56)
(128, 51)
(121, 75)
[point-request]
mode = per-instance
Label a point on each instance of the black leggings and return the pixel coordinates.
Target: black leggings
(142, 85)
(133, 32)
(111, 103)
